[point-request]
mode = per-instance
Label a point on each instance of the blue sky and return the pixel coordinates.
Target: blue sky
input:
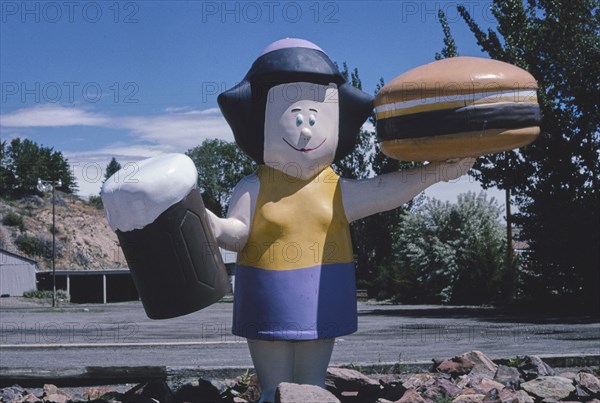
(132, 79)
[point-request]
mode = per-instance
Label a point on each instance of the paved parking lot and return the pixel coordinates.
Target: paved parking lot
(121, 335)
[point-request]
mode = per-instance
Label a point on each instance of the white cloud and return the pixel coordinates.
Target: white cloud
(172, 109)
(177, 130)
(180, 130)
(89, 167)
(51, 115)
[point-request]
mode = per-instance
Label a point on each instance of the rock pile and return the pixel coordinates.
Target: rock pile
(469, 378)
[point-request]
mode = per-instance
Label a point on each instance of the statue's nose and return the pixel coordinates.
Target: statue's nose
(306, 133)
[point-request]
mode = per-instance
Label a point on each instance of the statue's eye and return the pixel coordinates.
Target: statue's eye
(312, 120)
(299, 120)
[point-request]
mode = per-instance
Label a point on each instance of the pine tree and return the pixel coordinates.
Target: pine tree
(111, 168)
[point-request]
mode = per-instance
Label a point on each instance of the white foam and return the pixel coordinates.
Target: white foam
(134, 201)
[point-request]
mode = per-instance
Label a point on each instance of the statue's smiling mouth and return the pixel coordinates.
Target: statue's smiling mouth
(304, 150)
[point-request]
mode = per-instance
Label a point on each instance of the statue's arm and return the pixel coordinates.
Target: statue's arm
(365, 197)
(232, 232)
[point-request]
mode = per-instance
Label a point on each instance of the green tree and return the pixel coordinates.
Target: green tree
(221, 165)
(111, 168)
(371, 236)
(555, 181)
(450, 49)
(449, 253)
(7, 179)
(24, 162)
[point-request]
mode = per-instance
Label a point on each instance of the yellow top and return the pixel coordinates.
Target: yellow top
(297, 223)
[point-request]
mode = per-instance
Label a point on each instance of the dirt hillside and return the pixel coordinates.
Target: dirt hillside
(83, 238)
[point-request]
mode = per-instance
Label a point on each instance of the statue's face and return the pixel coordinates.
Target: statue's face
(301, 128)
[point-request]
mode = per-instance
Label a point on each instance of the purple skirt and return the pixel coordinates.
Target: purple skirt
(317, 302)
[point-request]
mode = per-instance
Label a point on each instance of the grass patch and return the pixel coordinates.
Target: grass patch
(443, 399)
(514, 362)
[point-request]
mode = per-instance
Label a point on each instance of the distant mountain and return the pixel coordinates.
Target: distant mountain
(83, 238)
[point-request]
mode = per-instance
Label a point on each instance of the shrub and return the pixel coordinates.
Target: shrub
(96, 201)
(449, 253)
(45, 294)
(12, 219)
(28, 244)
(37, 246)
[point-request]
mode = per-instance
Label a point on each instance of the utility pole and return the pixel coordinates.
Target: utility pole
(46, 186)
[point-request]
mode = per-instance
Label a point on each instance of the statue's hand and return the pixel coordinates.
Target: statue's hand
(453, 169)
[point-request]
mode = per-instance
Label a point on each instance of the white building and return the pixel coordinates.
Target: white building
(17, 274)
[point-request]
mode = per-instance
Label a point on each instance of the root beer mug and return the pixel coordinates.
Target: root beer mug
(160, 220)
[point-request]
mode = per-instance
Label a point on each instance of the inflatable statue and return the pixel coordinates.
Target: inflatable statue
(294, 115)
(295, 291)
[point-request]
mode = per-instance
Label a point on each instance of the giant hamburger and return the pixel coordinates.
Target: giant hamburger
(457, 107)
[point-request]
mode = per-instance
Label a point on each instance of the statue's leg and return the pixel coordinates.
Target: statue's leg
(274, 363)
(311, 359)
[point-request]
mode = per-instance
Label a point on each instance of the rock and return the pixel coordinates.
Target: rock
(485, 385)
(462, 381)
(493, 396)
(56, 398)
(223, 385)
(11, 394)
(470, 398)
(484, 367)
(532, 366)
(549, 387)
(156, 389)
(54, 394)
(568, 375)
(508, 375)
(341, 380)
(456, 366)
(522, 397)
(96, 393)
(417, 380)
(391, 387)
(588, 382)
(581, 393)
(508, 395)
(294, 393)
(348, 378)
(412, 396)
(200, 391)
(50, 389)
(441, 387)
(30, 398)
